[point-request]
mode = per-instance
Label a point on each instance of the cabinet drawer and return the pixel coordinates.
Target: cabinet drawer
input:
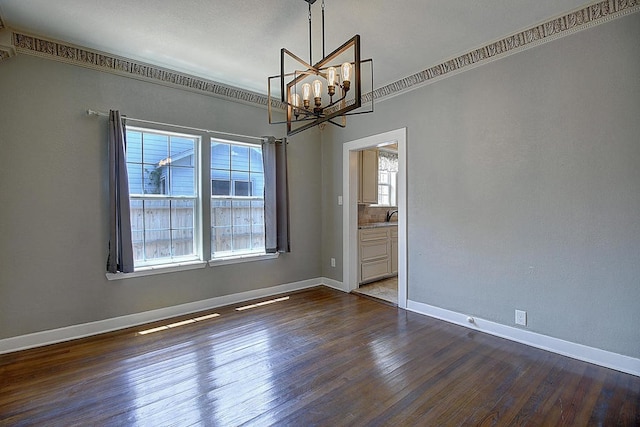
(374, 269)
(374, 249)
(393, 232)
(367, 234)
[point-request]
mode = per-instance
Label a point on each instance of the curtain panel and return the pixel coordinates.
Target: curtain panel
(276, 195)
(120, 258)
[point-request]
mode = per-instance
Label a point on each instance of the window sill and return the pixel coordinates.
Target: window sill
(235, 259)
(190, 265)
(158, 269)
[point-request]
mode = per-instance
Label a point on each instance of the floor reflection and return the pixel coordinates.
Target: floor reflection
(191, 384)
(166, 387)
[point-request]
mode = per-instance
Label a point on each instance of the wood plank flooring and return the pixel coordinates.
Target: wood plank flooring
(320, 357)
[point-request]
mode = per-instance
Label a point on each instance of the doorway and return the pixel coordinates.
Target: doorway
(350, 208)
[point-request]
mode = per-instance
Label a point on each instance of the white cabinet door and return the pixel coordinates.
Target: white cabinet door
(394, 256)
(374, 269)
(374, 251)
(393, 240)
(368, 188)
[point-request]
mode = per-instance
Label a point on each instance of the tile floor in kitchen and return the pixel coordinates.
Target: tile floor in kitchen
(385, 289)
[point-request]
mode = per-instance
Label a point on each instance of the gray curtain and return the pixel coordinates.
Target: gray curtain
(276, 195)
(120, 248)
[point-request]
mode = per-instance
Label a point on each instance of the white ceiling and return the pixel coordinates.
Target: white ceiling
(238, 42)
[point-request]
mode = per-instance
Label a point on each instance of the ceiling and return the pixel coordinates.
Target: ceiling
(238, 42)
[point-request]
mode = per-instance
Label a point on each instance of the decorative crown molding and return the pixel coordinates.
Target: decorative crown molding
(586, 17)
(589, 16)
(6, 49)
(4, 54)
(101, 61)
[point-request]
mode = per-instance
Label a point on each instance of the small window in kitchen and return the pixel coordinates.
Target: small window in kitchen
(387, 177)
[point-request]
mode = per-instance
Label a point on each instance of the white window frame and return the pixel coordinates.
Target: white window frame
(228, 257)
(202, 232)
(197, 255)
(391, 185)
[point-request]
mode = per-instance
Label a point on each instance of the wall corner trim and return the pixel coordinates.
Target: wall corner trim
(605, 358)
(334, 284)
(6, 48)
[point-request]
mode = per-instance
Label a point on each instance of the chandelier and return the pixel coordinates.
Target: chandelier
(327, 91)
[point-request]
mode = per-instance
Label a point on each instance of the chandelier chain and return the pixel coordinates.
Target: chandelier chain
(323, 54)
(310, 45)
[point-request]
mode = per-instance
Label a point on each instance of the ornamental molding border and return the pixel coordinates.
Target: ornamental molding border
(6, 48)
(101, 61)
(5, 54)
(586, 17)
(569, 23)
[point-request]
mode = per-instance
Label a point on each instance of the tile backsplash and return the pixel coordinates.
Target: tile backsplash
(371, 214)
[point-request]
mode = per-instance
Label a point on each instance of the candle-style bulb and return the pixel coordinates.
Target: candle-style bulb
(295, 101)
(306, 94)
(317, 97)
(317, 89)
(346, 75)
(331, 80)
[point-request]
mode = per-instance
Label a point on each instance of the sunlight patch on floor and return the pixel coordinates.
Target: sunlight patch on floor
(178, 324)
(260, 304)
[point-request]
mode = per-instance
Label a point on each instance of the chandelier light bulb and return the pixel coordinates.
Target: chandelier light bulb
(317, 88)
(306, 94)
(331, 80)
(295, 101)
(317, 96)
(346, 75)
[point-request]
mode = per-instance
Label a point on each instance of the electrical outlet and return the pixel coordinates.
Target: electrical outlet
(333, 262)
(521, 317)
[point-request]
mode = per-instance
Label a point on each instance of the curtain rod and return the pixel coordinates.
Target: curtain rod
(102, 114)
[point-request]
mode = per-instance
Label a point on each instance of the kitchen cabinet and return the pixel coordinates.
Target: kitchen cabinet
(375, 248)
(393, 242)
(368, 185)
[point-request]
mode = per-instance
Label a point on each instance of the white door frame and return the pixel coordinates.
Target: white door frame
(350, 208)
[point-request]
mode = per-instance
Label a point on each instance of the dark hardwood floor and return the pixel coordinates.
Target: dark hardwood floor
(321, 357)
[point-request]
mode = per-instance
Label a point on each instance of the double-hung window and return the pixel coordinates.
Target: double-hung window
(387, 178)
(163, 171)
(237, 199)
(168, 195)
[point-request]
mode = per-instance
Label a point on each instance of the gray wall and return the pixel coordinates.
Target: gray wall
(53, 187)
(523, 187)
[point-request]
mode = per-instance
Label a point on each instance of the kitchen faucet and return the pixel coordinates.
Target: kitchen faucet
(390, 214)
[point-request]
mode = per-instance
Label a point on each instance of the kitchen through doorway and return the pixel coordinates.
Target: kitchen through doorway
(376, 268)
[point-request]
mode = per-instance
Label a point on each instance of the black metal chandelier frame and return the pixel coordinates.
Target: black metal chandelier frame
(301, 116)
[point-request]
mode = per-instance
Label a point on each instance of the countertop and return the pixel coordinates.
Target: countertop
(379, 224)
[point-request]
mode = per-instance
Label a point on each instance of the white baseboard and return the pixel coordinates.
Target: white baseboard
(585, 353)
(577, 351)
(333, 284)
(68, 333)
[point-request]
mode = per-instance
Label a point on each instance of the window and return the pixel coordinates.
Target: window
(237, 199)
(163, 170)
(166, 170)
(387, 177)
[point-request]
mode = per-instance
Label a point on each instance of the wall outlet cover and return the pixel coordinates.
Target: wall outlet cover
(521, 317)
